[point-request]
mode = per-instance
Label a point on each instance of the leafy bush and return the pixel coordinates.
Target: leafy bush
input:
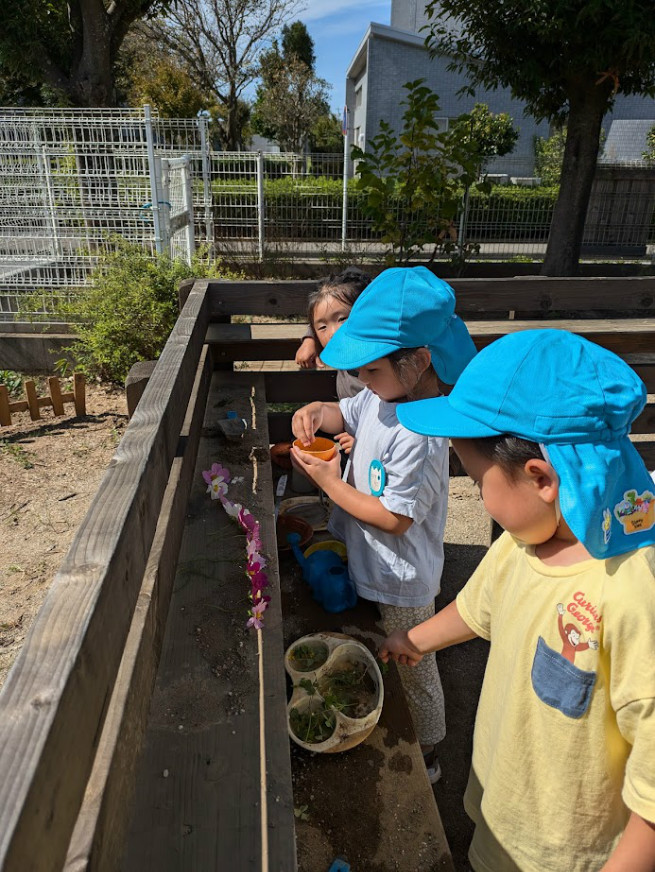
(12, 381)
(129, 310)
(549, 154)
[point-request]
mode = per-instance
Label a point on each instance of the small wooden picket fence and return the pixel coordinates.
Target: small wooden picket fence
(34, 404)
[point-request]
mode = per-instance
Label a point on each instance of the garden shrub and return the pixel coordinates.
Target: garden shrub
(128, 311)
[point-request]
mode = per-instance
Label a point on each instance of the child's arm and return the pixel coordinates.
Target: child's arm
(326, 474)
(308, 351)
(408, 647)
(316, 416)
(635, 851)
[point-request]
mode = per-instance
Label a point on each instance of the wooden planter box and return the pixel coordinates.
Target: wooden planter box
(74, 709)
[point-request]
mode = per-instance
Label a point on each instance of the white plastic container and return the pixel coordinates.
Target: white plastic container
(339, 650)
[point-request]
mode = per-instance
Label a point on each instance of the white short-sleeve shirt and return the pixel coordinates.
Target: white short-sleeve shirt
(397, 570)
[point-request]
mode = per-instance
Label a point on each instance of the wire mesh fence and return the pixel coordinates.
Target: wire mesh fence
(73, 180)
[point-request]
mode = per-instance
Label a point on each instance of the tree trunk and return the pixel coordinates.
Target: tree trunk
(232, 122)
(587, 106)
(92, 80)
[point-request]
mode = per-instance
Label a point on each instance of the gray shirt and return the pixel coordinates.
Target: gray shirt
(398, 570)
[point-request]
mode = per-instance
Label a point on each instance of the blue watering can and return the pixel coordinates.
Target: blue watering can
(327, 576)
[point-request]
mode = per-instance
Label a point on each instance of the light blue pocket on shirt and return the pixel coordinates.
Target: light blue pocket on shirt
(559, 683)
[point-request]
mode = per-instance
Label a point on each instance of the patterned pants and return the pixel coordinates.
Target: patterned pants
(422, 684)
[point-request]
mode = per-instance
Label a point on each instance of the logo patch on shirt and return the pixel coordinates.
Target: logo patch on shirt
(377, 478)
(635, 512)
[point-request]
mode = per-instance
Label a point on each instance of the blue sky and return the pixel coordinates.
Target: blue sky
(337, 27)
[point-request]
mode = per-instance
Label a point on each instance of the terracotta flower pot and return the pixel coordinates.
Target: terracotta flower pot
(292, 524)
(280, 454)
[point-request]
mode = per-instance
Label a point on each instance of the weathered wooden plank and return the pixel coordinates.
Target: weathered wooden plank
(54, 700)
(198, 802)
(541, 294)
(99, 838)
(623, 336)
(300, 387)
(645, 423)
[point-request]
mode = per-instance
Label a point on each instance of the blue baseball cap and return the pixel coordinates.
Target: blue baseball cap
(404, 307)
(578, 401)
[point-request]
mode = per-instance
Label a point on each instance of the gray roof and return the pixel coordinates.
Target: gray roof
(626, 141)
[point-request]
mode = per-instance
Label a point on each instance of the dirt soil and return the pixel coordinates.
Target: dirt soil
(49, 473)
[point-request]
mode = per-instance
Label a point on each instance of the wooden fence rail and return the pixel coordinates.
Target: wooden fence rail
(34, 403)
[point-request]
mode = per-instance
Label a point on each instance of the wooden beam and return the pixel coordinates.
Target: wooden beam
(538, 294)
(301, 387)
(199, 793)
(98, 841)
(55, 697)
(623, 336)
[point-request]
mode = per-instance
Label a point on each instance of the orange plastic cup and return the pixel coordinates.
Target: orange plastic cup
(324, 449)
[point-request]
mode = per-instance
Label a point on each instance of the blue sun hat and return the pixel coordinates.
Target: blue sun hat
(403, 308)
(578, 401)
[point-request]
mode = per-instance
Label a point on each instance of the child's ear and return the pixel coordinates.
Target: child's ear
(423, 359)
(543, 477)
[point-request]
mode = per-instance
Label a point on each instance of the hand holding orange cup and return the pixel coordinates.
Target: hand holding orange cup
(323, 449)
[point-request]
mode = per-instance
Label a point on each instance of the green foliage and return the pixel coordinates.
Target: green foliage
(491, 134)
(64, 53)
(423, 169)
(128, 311)
(291, 106)
(548, 50)
(12, 381)
(148, 73)
(549, 155)
(649, 154)
(296, 42)
(326, 136)
(567, 60)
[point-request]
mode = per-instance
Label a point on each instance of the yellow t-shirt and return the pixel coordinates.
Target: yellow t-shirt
(564, 743)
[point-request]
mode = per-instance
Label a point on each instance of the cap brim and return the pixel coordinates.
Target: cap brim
(344, 351)
(437, 417)
(594, 481)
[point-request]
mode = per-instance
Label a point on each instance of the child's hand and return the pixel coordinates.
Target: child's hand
(346, 441)
(398, 647)
(321, 472)
(307, 354)
(306, 422)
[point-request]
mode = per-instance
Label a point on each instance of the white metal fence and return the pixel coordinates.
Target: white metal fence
(73, 180)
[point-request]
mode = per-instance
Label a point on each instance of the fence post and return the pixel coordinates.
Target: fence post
(260, 202)
(47, 178)
(463, 222)
(44, 169)
(344, 210)
(163, 185)
(152, 171)
(187, 197)
(206, 182)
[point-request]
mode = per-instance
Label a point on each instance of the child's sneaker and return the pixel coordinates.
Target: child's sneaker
(432, 766)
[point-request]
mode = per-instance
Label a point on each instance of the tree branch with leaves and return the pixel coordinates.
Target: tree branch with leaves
(567, 60)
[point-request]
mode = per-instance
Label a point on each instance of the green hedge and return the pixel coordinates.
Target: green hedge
(309, 208)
